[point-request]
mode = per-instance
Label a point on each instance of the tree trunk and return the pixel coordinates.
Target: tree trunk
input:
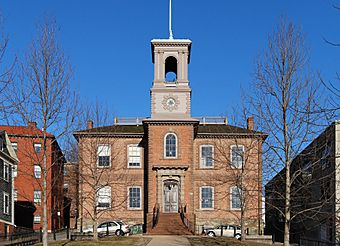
(45, 221)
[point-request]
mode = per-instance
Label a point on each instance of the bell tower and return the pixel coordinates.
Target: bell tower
(170, 92)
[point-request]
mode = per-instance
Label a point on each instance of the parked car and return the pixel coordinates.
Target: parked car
(118, 228)
(223, 230)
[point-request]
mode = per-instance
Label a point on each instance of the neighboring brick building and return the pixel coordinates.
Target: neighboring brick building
(8, 159)
(315, 192)
(171, 160)
(28, 180)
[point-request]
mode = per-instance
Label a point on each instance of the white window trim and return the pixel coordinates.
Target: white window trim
(37, 144)
(213, 197)
(36, 216)
(231, 155)
(4, 207)
(164, 146)
(212, 156)
(8, 171)
(109, 156)
(97, 196)
(231, 199)
(140, 161)
(37, 165)
(128, 198)
(38, 203)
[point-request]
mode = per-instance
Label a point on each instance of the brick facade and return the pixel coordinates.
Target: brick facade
(185, 163)
(27, 181)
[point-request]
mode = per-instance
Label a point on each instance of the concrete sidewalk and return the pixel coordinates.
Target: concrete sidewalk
(168, 241)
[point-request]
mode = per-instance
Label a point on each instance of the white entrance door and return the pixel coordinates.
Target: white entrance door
(170, 197)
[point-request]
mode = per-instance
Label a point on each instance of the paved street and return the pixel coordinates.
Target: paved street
(168, 241)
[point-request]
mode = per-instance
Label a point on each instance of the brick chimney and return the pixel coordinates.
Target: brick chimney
(250, 123)
(32, 124)
(89, 124)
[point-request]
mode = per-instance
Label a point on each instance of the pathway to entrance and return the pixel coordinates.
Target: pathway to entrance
(169, 241)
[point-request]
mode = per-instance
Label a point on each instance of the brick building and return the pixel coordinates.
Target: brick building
(315, 192)
(27, 141)
(8, 160)
(170, 162)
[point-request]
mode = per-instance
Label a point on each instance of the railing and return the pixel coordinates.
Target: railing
(185, 220)
(24, 238)
(205, 120)
(155, 215)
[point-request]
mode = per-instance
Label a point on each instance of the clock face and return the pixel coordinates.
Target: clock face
(170, 103)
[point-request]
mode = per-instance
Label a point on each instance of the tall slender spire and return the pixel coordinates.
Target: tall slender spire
(170, 20)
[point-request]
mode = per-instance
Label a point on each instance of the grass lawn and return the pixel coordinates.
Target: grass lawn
(123, 241)
(209, 241)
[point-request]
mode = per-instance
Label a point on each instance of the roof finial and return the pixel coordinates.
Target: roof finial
(170, 21)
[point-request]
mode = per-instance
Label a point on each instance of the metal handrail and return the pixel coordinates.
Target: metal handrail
(185, 220)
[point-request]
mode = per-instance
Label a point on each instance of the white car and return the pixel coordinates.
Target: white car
(224, 230)
(118, 228)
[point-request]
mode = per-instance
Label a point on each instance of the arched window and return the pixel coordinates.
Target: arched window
(170, 145)
(170, 69)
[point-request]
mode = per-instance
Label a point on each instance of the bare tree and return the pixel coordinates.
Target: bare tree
(286, 101)
(7, 71)
(44, 95)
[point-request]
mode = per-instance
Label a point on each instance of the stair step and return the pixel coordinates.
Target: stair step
(169, 224)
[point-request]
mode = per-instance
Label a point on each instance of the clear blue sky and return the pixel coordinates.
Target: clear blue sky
(108, 44)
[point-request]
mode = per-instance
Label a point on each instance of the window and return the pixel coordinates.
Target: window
(15, 195)
(6, 203)
(104, 197)
(134, 158)
(237, 154)
(207, 197)
(6, 171)
(37, 147)
(170, 145)
(37, 171)
(104, 154)
(235, 197)
(15, 170)
(65, 188)
(37, 197)
(207, 156)
(15, 147)
(37, 219)
(134, 197)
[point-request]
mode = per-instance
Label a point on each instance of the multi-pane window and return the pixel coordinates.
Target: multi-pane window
(104, 155)
(37, 219)
(235, 197)
(134, 197)
(237, 156)
(207, 197)
(6, 203)
(15, 147)
(15, 195)
(207, 156)
(37, 147)
(37, 197)
(15, 170)
(6, 171)
(104, 197)
(170, 145)
(134, 156)
(37, 171)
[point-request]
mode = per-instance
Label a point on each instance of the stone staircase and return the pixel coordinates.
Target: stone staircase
(169, 224)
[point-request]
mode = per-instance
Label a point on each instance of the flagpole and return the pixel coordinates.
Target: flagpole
(170, 20)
